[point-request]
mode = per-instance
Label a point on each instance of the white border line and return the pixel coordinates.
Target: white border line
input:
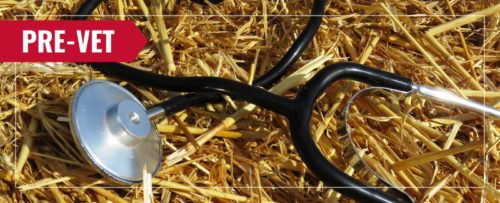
(485, 178)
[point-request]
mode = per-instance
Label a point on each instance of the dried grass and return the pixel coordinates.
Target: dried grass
(244, 153)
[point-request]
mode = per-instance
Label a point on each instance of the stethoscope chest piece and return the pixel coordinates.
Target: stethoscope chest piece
(114, 132)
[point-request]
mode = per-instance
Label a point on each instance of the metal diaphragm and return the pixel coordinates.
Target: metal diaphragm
(114, 133)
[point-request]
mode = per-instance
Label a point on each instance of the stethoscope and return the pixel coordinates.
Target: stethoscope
(297, 110)
(125, 128)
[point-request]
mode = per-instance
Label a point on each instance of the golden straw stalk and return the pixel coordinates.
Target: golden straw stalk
(26, 148)
(281, 87)
(432, 156)
(426, 55)
(464, 20)
(177, 186)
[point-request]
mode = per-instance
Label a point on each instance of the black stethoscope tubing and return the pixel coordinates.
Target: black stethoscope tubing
(288, 60)
(297, 110)
(266, 80)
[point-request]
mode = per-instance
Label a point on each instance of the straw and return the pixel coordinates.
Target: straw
(186, 131)
(109, 195)
(429, 157)
(199, 131)
(176, 186)
(51, 183)
(279, 88)
(427, 56)
(246, 153)
(164, 39)
(27, 145)
(463, 20)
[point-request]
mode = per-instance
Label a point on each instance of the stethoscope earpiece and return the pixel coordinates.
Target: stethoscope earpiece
(115, 133)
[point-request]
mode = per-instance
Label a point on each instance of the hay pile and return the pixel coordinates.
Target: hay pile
(247, 155)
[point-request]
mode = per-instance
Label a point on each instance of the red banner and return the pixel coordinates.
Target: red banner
(70, 41)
